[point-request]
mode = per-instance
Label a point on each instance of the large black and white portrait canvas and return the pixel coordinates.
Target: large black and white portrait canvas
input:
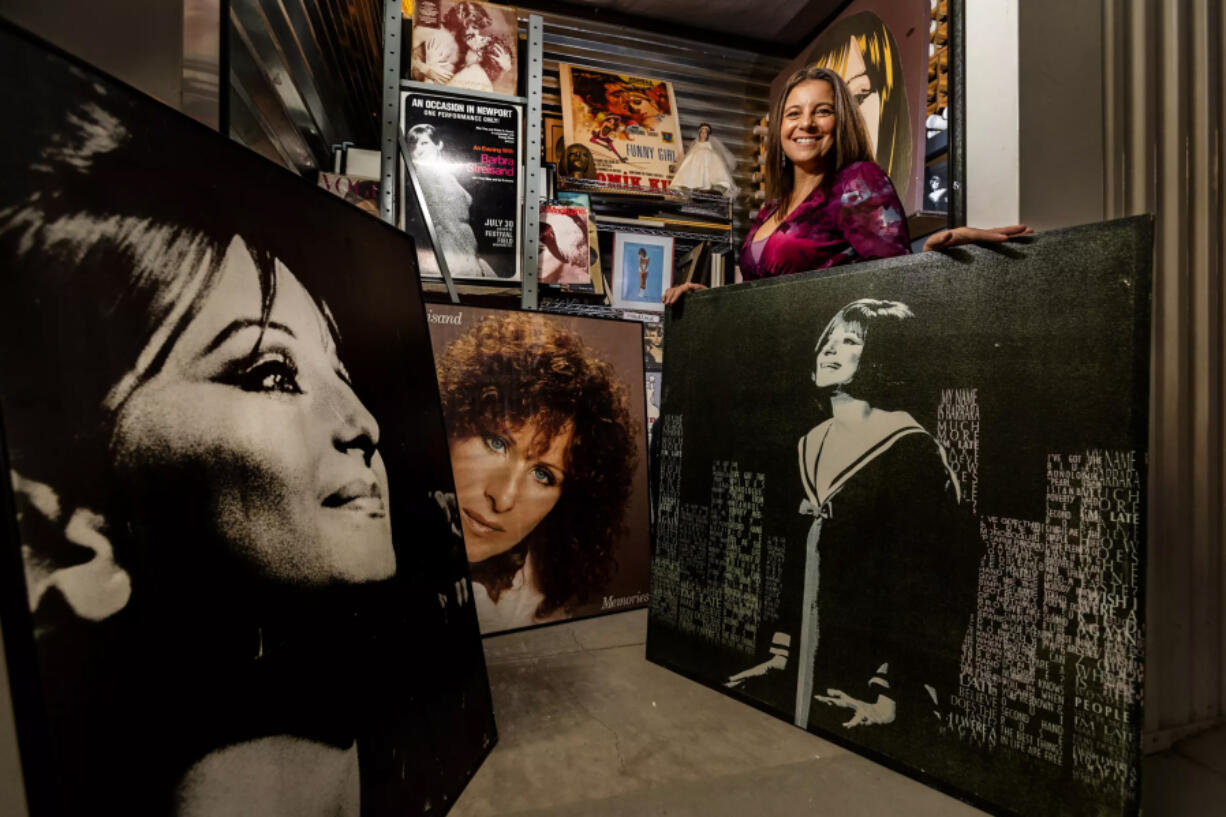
(228, 582)
(904, 510)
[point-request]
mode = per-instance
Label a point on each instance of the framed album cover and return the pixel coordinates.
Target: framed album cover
(902, 506)
(225, 558)
(466, 44)
(546, 427)
(642, 270)
(467, 156)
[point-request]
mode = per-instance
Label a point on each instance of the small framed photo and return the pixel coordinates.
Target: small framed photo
(642, 270)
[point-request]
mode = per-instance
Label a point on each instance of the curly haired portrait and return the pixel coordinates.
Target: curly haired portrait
(545, 420)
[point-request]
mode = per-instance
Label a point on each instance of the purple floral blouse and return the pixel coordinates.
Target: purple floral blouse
(856, 218)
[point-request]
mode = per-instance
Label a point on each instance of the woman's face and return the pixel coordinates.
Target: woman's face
(506, 483)
(868, 98)
(426, 150)
(475, 40)
(704, 134)
(271, 441)
(839, 357)
(807, 127)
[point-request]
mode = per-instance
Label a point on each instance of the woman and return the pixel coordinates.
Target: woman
(542, 447)
(828, 202)
(205, 518)
(448, 206)
(889, 572)
(484, 59)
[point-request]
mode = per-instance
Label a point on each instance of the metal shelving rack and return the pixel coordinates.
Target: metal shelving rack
(392, 144)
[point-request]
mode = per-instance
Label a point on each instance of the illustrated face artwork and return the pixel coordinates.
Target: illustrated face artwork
(506, 485)
(269, 439)
(807, 129)
(862, 91)
(839, 357)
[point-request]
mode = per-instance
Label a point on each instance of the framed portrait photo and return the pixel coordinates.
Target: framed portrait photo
(642, 270)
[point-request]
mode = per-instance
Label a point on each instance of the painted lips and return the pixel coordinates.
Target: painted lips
(479, 524)
(359, 496)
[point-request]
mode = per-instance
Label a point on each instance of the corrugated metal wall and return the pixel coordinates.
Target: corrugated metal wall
(725, 87)
(1163, 124)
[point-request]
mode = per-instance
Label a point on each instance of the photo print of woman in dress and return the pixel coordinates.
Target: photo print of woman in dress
(544, 451)
(862, 50)
(205, 464)
(448, 205)
(888, 538)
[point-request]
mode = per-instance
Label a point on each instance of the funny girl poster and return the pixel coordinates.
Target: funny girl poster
(630, 125)
(905, 510)
(466, 155)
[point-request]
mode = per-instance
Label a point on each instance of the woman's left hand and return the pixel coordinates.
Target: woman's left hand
(945, 239)
(881, 711)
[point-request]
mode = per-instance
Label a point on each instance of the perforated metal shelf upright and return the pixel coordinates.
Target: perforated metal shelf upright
(392, 144)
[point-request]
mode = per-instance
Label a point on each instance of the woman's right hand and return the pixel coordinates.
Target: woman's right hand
(674, 293)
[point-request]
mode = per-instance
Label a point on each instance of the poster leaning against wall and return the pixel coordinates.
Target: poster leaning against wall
(545, 419)
(628, 124)
(225, 562)
(466, 154)
(904, 509)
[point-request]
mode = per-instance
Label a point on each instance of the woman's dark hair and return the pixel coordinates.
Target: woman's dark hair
(851, 141)
(104, 276)
(464, 16)
(642, 252)
(882, 328)
(489, 56)
(883, 65)
(413, 134)
(514, 369)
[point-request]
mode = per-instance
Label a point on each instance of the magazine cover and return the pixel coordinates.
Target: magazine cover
(565, 259)
(467, 157)
(226, 561)
(545, 417)
(905, 510)
(359, 191)
(466, 44)
(628, 125)
(595, 270)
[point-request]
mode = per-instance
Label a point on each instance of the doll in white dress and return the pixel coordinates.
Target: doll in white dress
(706, 166)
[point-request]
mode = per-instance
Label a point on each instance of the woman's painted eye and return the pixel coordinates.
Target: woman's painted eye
(861, 96)
(495, 443)
(543, 475)
(273, 372)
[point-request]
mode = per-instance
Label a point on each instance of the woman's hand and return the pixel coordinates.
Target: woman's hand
(881, 711)
(674, 293)
(974, 235)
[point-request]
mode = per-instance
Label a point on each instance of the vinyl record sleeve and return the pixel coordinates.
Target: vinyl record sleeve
(466, 44)
(225, 560)
(902, 505)
(557, 524)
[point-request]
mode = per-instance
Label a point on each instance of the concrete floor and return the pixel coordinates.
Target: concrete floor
(588, 727)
